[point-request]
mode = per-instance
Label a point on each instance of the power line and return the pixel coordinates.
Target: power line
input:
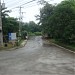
(27, 2)
(23, 4)
(30, 6)
(15, 2)
(11, 1)
(27, 7)
(8, 1)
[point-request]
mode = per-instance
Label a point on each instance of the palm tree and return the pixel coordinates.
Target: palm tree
(4, 12)
(4, 15)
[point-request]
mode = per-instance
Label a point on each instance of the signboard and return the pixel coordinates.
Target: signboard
(12, 36)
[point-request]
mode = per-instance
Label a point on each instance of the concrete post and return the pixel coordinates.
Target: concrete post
(1, 34)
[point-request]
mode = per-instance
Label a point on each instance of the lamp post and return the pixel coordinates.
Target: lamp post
(1, 34)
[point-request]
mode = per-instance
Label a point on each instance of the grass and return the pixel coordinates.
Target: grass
(68, 46)
(38, 33)
(20, 42)
(10, 45)
(35, 33)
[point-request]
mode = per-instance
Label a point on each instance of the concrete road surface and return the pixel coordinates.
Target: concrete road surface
(37, 58)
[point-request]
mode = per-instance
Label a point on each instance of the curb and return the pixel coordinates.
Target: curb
(17, 47)
(10, 49)
(63, 48)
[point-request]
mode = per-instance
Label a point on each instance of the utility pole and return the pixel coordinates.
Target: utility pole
(22, 14)
(20, 19)
(1, 34)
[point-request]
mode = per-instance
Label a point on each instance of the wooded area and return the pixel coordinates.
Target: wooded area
(58, 21)
(11, 25)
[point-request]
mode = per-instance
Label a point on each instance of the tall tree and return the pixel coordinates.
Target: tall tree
(59, 21)
(11, 25)
(45, 13)
(62, 21)
(31, 27)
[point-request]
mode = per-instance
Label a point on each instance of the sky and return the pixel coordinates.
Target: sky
(29, 11)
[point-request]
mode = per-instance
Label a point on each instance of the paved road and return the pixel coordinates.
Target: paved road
(37, 58)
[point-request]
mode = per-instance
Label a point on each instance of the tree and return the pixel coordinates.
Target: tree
(31, 27)
(62, 21)
(25, 27)
(59, 21)
(45, 13)
(4, 12)
(23, 34)
(12, 25)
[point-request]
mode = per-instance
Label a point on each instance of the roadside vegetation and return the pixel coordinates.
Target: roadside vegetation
(65, 45)
(31, 28)
(58, 22)
(11, 25)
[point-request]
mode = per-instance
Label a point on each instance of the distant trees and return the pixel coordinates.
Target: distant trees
(31, 27)
(9, 24)
(58, 21)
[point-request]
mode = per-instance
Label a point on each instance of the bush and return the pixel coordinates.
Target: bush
(38, 33)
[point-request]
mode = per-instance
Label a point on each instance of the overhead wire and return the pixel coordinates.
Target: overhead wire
(27, 2)
(7, 1)
(29, 6)
(15, 2)
(26, 7)
(11, 1)
(22, 4)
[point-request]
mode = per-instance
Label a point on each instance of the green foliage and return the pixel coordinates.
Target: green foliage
(10, 25)
(58, 21)
(31, 27)
(64, 18)
(4, 12)
(23, 34)
(45, 14)
(38, 33)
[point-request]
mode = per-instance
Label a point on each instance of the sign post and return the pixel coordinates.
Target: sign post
(12, 38)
